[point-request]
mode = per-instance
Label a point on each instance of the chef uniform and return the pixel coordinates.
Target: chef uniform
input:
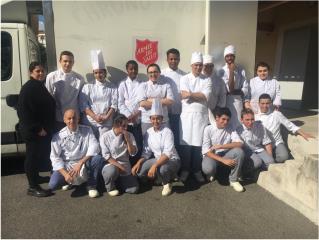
(99, 97)
(174, 111)
(234, 100)
(65, 89)
(115, 147)
(194, 118)
(160, 89)
(218, 95)
(67, 149)
(158, 143)
(257, 87)
(220, 136)
(128, 105)
(272, 121)
(254, 141)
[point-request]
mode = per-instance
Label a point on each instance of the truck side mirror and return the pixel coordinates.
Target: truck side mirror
(12, 100)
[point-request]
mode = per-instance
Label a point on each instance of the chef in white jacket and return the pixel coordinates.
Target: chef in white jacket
(64, 85)
(218, 95)
(75, 156)
(260, 84)
(98, 100)
(234, 77)
(272, 120)
(155, 87)
(129, 106)
(173, 75)
(117, 145)
(158, 140)
(195, 92)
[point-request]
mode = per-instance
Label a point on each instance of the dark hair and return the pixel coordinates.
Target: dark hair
(131, 62)
(153, 65)
(67, 53)
(262, 64)
(246, 111)
(33, 65)
(119, 119)
(220, 111)
(172, 51)
(264, 96)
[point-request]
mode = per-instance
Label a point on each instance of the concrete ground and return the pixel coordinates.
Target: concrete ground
(211, 210)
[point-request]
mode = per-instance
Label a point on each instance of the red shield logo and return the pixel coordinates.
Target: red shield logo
(146, 51)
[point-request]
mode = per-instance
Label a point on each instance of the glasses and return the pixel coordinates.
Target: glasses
(154, 72)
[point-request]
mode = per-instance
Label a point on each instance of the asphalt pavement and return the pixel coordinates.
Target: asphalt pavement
(212, 210)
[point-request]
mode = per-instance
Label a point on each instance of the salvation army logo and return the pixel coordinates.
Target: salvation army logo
(146, 51)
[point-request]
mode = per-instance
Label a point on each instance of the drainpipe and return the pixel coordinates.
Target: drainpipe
(207, 27)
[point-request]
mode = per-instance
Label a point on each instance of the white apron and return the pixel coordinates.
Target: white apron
(235, 105)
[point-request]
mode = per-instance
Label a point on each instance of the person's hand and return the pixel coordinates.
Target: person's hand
(98, 118)
(247, 105)
(306, 136)
(215, 147)
(42, 133)
(136, 168)
(152, 172)
(185, 94)
(231, 67)
(76, 168)
(125, 135)
(229, 162)
(68, 178)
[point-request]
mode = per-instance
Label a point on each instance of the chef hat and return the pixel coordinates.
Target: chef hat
(207, 59)
(157, 108)
(97, 59)
(197, 57)
(229, 50)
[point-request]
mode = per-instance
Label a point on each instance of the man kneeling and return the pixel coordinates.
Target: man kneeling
(74, 156)
(221, 144)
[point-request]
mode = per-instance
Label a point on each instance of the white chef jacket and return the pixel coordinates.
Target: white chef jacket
(65, 89)
(173, 78)
(272, 121)
(255, 138)
(98, 97)
(127, 102)
(160, 142)
(239, 78)
(160, 89)
(115, 147)
(68, 147)
(218, 136)
(257, 87)
(194, 116)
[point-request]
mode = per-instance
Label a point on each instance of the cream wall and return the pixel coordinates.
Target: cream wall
(234, 23)
(112, 27)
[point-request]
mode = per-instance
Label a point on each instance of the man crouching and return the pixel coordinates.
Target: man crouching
(74, 156)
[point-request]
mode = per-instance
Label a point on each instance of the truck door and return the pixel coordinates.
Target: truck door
(10, 84)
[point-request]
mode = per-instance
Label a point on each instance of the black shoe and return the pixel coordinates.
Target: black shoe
(38, 192)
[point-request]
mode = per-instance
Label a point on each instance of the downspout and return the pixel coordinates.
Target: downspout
(207, 27)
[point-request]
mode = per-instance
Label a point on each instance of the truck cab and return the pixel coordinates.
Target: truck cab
(19, 47)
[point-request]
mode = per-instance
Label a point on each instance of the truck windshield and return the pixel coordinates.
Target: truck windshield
(6, 56)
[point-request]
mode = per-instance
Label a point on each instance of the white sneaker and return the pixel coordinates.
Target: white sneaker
(167, 189)
(93, 193)
(114, 193)
(237, 186)
(211, 179)
(67, 187)
(184, 175)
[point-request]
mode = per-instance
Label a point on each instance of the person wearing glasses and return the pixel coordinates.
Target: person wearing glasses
(155, 87)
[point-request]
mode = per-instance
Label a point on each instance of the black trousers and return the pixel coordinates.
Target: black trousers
(37, 158)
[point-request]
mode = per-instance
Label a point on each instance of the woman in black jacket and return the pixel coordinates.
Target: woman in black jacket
(36, 112)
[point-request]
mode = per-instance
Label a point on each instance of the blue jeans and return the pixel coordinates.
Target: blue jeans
(94, 167)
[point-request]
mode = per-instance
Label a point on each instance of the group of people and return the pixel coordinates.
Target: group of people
(161, 130)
